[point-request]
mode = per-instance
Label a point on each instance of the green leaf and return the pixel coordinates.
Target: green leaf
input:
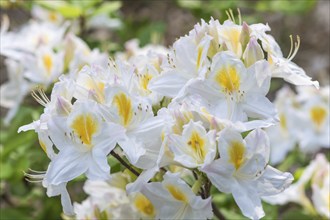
(230, 214)
(14, 213)
(66, 9)
(296, 214)
(6, 171)
(190, 4)
(108, 8)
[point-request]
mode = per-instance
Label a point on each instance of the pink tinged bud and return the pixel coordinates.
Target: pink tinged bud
(252, 53)
(63, 106)
(245, 35)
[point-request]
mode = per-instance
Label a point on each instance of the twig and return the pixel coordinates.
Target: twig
(123, 162)
(217, 212)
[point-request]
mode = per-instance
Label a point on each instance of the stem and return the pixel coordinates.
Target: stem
(217, 212)
(123, 162)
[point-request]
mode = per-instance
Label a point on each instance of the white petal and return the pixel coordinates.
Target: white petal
(168, 84)
(219, 172)
(273, 182)
(247, 199)
(143, 179)
(132, 149)
(67, 165)
(258, 106)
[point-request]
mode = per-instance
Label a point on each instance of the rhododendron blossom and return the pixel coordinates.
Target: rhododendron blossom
(179, 120)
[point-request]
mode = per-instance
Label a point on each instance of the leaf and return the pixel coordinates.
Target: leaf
(6, 171)
(108, 8)
(296, 214)
(66, 9)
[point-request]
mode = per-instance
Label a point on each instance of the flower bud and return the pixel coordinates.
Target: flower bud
(245, 35)
(252, 53)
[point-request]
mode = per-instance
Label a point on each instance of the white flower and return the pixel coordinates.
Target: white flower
(194, 147)
(314, 121)
(45, 67)
(174, 199)
(45, 15)
(318, 173)
(243, 171)
(283, 136)
(105, 201)
(188, 60)
(284, 67)
(84, 140)
(230, 91)
(14, 90)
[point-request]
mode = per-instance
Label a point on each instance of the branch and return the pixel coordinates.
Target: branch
(123, 162)
(217, 212)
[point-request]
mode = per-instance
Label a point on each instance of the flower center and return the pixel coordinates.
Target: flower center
(228, 79)
(176, 193)
(318, 115)
(197, 144)
(144, 81)
(85, 126)
(48, 62)
(124, 107)
(236, 154)
(144, 205)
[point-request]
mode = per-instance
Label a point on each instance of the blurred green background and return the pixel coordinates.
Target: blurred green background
(153, 22)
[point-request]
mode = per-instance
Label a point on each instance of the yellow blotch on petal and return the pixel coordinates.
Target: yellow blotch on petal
(48, 62)
(236, 154)
(197, 144)
(144, 205)
(124, 106)
(318, 115)
(144, 81)
(283, 122)
(85, 126)
(199, 56)
(233, 34)
(176, 193)
(228, 79)
(52, 16)
(43, 145)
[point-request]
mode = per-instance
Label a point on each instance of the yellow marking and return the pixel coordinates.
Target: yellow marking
(199, 56)
(43, 145)
(48, 62)
(124, 106)
(52, 16)
(233, 35)
(181, 119)
(283, 122)
(197, 144)
(176, 193)
(236, 154)
(228, 79)
(318, 115)
(85, 126)
(144, 81)
(144, 205)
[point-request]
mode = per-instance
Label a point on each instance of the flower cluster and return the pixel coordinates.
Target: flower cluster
(315, 177)
(38, 53)
(304, 120)
(185, 119)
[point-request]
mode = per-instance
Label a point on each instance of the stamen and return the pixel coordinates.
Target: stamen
(291, 47)
(40, 96)
(296, 48)
(239, 16)
(228, 15)
(34, 178)
(232, 15)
